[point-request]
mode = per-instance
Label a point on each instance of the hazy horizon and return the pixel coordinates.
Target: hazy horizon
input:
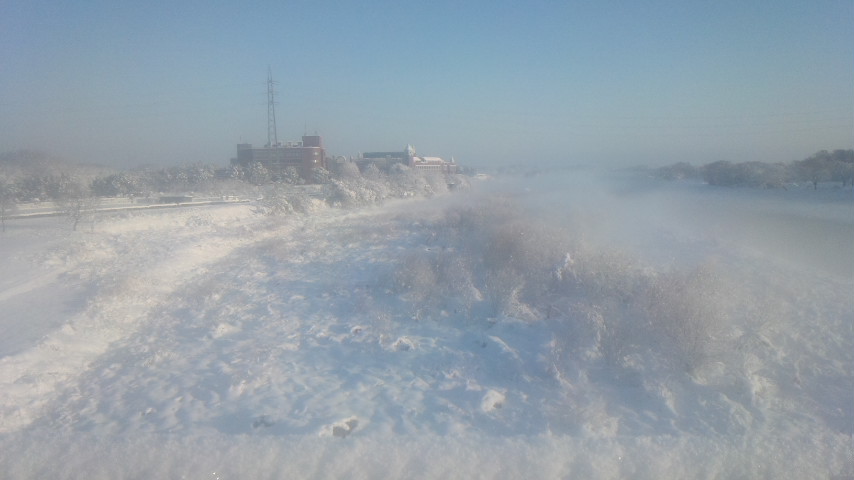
(487, 83)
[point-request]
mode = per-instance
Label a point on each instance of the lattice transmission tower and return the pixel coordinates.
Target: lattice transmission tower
(272, 137)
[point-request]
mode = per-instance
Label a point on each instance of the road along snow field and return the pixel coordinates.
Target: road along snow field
(476, 335)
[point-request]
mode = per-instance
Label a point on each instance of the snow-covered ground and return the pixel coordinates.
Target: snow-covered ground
(536, 328)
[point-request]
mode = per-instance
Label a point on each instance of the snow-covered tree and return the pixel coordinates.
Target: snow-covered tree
(258, 174)
(77, 202)
(8, 204)
(320, 175)
(816, 168)
(281, 199)
(291, 176)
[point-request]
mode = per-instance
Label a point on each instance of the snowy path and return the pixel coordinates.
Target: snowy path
(131, 272)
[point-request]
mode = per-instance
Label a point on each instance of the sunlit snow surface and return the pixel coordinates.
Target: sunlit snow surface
(545, 327)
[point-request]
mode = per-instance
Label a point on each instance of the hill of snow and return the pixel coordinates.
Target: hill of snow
(526, 329)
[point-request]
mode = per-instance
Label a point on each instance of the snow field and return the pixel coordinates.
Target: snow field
(464, 337)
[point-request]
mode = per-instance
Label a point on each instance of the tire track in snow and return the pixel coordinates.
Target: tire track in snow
(31, 283)
(162, 265)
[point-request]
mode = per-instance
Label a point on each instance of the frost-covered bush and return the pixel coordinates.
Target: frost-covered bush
(417, 277)
(468, 226)
(457, 282)
(348, 170)
(491, 258)
(437, 280)
(436, 183)
(291, 176)
(594, 292)
(684, 314)
(257, 174)
(504, 289)
(508, 247)
(320, 175)
(491, 253)
(356, 191)
(599, 274)
(285, 200)
(406, 182)
(352, 188)
(675, 318)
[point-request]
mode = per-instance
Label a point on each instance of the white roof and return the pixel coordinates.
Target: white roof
(431, 159)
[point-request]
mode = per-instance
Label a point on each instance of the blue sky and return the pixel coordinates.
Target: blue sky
(602, 82)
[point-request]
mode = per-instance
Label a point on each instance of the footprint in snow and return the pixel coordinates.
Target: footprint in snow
(403, 344)
(492, 401)
(342, 429)
(263, 421)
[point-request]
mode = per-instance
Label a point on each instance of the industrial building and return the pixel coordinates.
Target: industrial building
(385, 160)
(305, 156)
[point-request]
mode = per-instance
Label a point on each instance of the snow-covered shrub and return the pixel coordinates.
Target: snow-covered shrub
(355, 191)
(348, 170)
(406, 182)
(684, 313)
(257, 174)
(513, 254)
(8, 206)
(675, 318)
(437, 183)
(594, 292)
(291, 176)
(371, 172)
(320, 175)
(598, 274)
(456, 279)
(492, 258)
(417, 277)
(285, 200)
(489, 253)
(503, 288)
(351, 188)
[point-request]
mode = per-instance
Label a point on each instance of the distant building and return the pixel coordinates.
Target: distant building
(305, 156)
(433, 164)
(385, 160)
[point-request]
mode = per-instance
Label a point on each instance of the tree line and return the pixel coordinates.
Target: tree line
(29, 176)
(823, 166)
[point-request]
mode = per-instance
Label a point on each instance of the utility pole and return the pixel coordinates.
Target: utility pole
(272, 140)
